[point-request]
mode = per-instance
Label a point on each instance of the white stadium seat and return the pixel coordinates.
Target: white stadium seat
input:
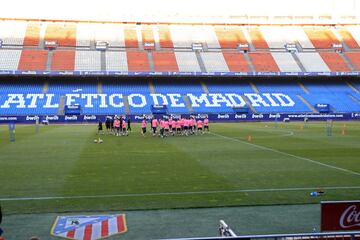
(313, 62)
(187, 62)
(84, 33)
(9, 59)
(12, 32)
(113, 34)
(214, 62)
(116, 61)
(87, 61)
(285, 62)
(355, 32)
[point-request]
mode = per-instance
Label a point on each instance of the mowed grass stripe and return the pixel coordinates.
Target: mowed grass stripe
(130, 166)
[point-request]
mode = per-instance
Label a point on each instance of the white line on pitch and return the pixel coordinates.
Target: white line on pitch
(176, 193)
(288, 154)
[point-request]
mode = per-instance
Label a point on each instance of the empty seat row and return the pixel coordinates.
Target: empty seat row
(178, 61)
(177, 36)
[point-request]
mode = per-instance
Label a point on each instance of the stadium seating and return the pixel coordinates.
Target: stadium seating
(113, 34)
(131, 38)
(257, 38)
(84, 34)
(63, 34)
(263, 62)
(137, 61)
(165, 61)
(187, 62)
(147, 34)
(116, 61)
(313, 62)
(214, 62)
(334, 61)
(285, 62)
(32, 34)
(33, 60)
(347, 37)
(63, 60)
(9, 59)
(236, 62)
(230, 37)
(321, 37)
(12, 32)
(355, 32)
(87, 60)
(354, 58)
(182, 36)
(165, 40)
(277, 37)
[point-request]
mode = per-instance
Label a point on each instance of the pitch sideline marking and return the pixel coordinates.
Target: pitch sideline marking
(178, 193)
(288, 154)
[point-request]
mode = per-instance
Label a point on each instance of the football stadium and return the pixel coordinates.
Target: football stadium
(180, 119)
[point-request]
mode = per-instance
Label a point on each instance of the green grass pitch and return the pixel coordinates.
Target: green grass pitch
(61, 169)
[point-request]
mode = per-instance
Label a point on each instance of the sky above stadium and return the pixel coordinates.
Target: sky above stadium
(185, 10)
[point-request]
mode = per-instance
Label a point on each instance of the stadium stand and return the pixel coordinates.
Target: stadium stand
(84, 34)
(263, 62)
(207, 35)
(312, 62)
(300, 36)
(32, 34)
(63, 60)
(9, 59)
(131, 38)
(354, 58)
(116, 61)
(182, 36)
(236, 62)
(12, 32)
(165, 40)
(147, 34)
(285, 62)
(355, 32)
(214, 62)
(228, 86)
(257, 38)
(334, 61)
(165, 61)
(187, 62)
(33, 60)
(112, 34)
(321, 37)
(87, 60)
(347, 37)
(277, 37)
(229, 37)
(138, 61)
(64, 34)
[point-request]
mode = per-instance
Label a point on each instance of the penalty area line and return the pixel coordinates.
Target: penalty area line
(288, 154)
(177, 193)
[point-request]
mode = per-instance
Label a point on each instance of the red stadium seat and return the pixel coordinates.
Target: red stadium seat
(165, 61)
(257, 38)
(354, 58)
(321, 37)
(264, 62)
(165, 37)
(63, 60)
(236, 62)
(33, 60)
(334, 61)
(230, 37)
(32, 35)
(138, 61)
(131, 40)
(63, 34)
(348, 38)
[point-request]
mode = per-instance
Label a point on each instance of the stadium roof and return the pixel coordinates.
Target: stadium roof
(188, 11)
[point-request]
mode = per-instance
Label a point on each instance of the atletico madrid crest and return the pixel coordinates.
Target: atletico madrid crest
(89, 227)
